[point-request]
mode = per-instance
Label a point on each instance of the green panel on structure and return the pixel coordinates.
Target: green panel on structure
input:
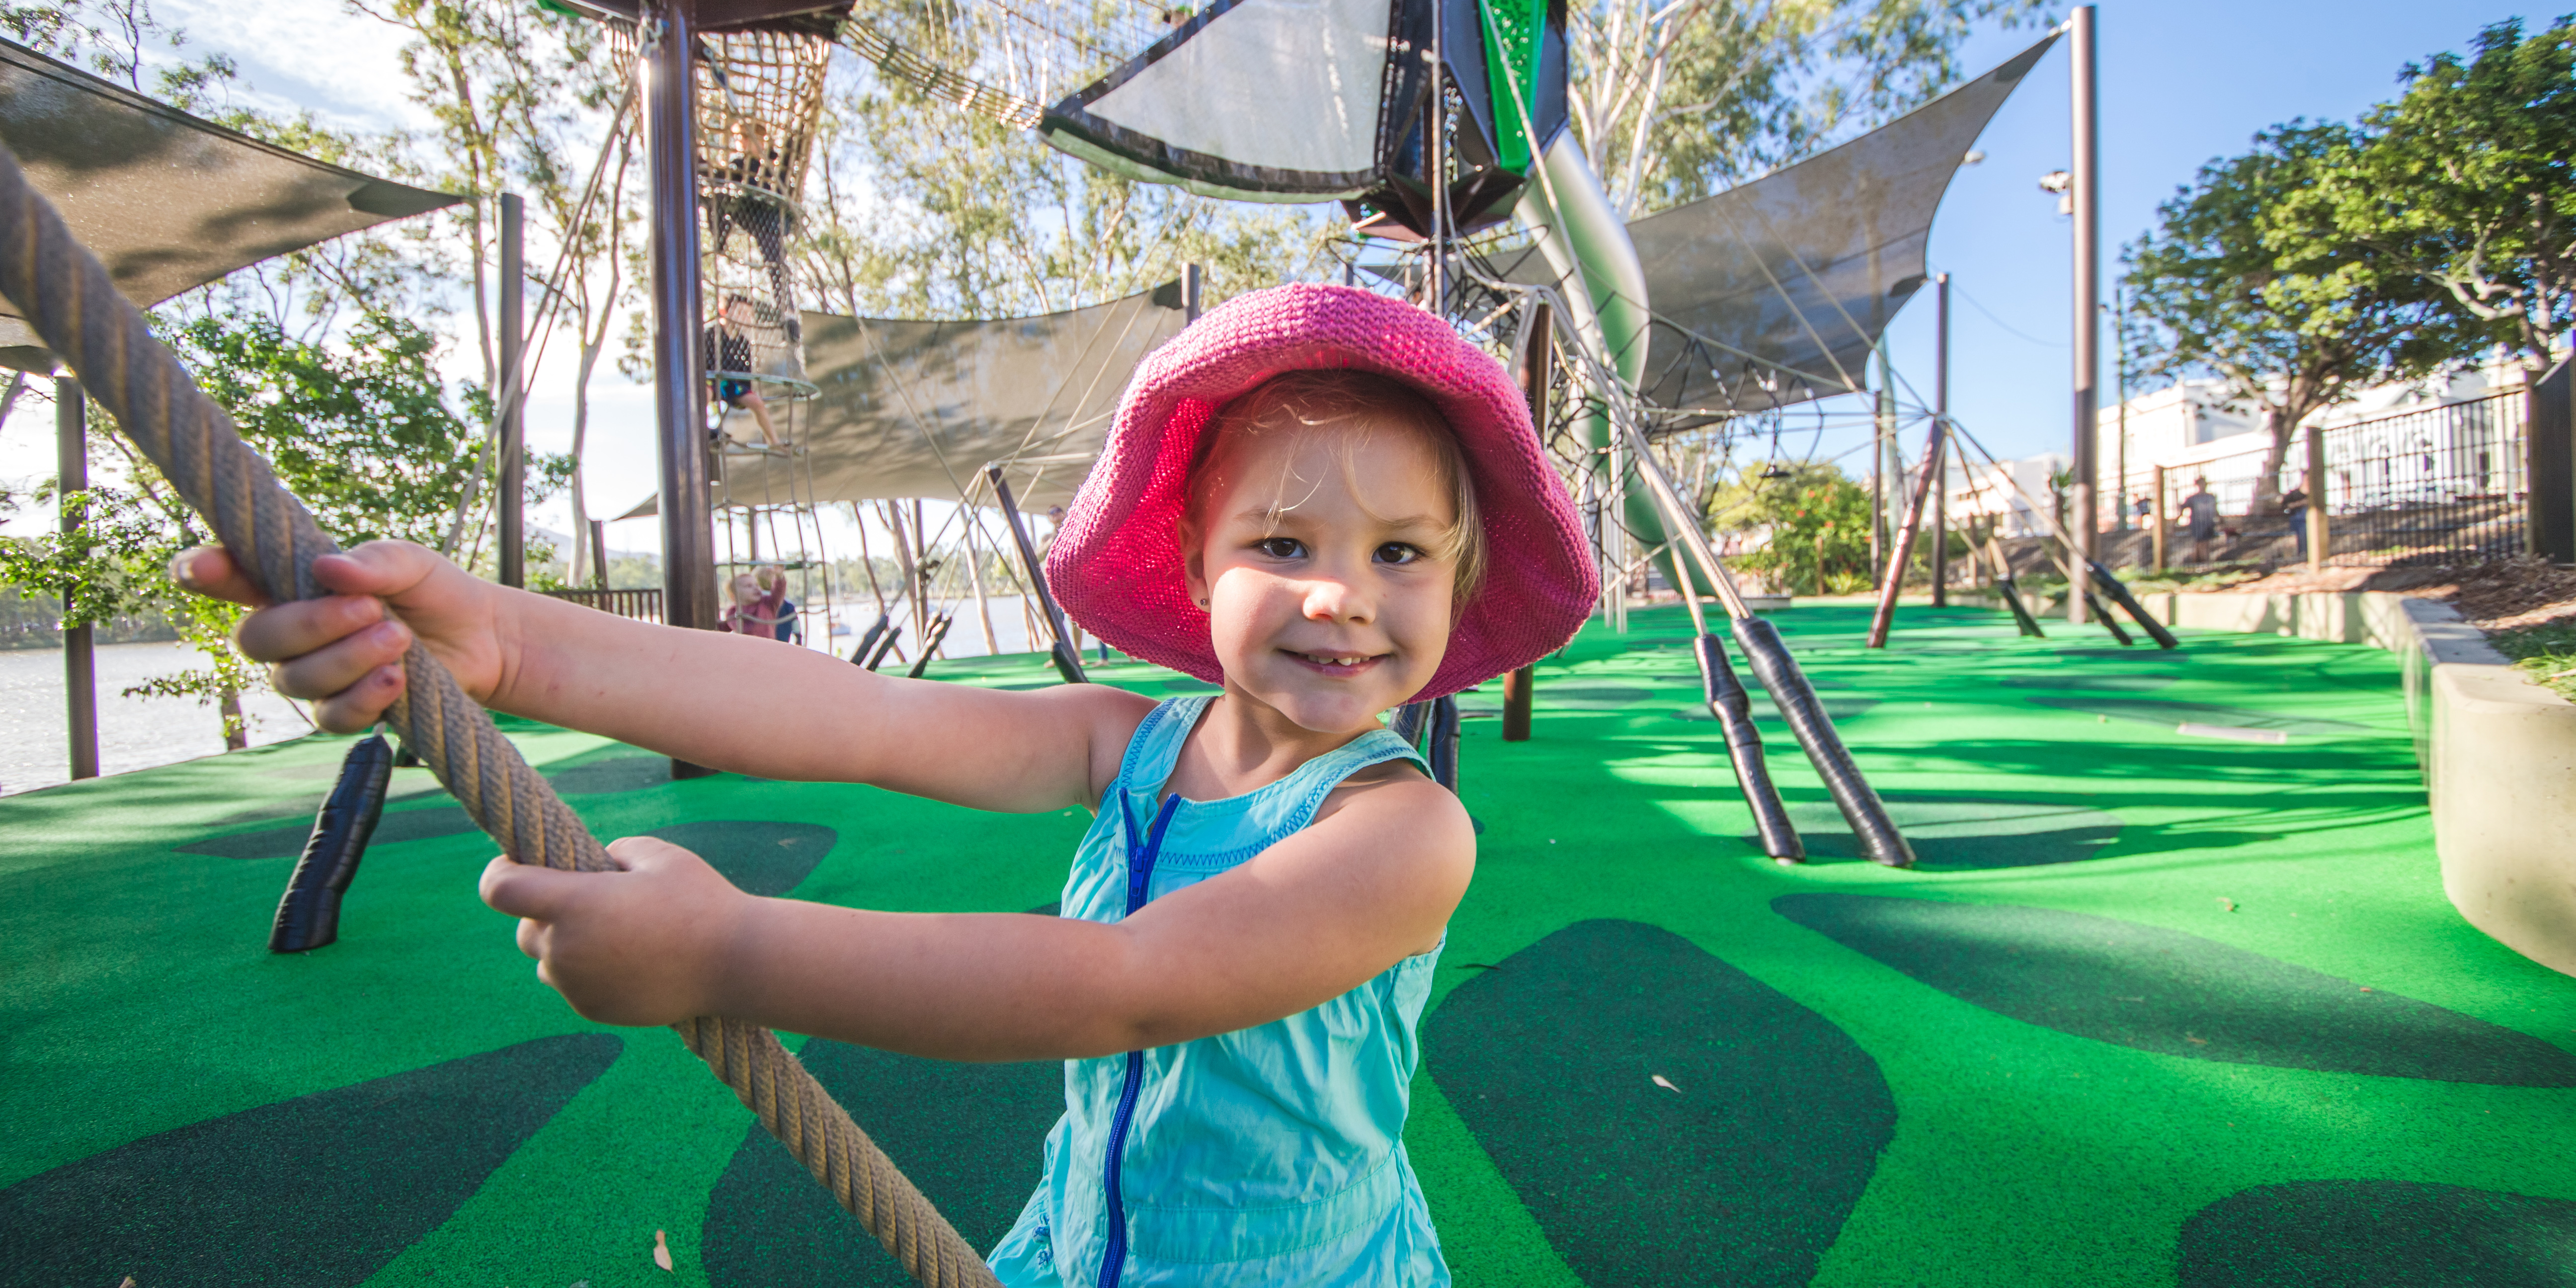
(1512, 46)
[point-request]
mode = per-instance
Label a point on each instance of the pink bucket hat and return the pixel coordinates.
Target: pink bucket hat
(1116, 564)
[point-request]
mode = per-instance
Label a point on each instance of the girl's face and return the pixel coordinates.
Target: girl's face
(746, 588)
(1326, 603)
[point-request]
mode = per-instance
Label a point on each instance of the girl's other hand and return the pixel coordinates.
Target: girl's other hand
(644, 944)
(345, 651)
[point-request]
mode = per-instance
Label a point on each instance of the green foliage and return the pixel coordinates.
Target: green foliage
(2547, 652)
(923, 210)
(2462, 184)
(2290, 325)
(360, 431)
(1674, 101)
(1818, 525)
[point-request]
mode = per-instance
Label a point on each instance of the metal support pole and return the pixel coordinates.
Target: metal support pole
(511, 397)
(2156, 539)
(1068, 660)
(1193, 285)
(1879, 484)
(679, 376)
(1941, 413)
(2120, 448)
(80, 661)
(2084, 186)
(1537, 372)
(599, 553)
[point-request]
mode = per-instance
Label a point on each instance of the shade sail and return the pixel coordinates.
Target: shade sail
(169, 202)
(918, 409)
(1773, 292)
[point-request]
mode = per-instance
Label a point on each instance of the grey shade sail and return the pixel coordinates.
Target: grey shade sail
(1773, 292)
(1248, 100)
(169, 202)
(918, 409)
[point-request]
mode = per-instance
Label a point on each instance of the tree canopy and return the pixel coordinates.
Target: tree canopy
(2467, 182)
(2289, 323)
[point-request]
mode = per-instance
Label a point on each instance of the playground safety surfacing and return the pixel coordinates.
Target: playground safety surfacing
(2153, 1009)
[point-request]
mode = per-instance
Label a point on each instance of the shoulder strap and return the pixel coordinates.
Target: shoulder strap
(1303, 792)
(1156, 745)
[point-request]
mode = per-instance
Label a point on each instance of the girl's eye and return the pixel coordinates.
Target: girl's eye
(1280, 547)
(1396, 552)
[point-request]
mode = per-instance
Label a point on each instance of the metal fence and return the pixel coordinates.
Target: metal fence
(2432, 486)
(642, 605)
(2435, 486)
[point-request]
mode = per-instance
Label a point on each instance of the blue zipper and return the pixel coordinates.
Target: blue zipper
(1140, 873)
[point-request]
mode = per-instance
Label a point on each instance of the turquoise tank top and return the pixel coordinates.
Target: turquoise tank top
(1268, 1156)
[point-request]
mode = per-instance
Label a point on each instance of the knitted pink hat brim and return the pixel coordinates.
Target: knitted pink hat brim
(1116, 564)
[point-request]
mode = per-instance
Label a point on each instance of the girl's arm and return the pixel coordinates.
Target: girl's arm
(1307, 920)
(681, 692)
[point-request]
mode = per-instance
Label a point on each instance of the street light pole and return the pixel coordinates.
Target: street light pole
(2084, 188)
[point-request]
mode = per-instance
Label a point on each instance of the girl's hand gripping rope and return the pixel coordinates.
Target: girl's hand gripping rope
(344, 652)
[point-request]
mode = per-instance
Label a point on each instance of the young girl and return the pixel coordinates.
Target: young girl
(759, 606)
(1322, 500)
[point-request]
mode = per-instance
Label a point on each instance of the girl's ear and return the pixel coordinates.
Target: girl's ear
(1193, 563)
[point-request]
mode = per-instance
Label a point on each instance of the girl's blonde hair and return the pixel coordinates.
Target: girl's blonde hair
(1356, 403)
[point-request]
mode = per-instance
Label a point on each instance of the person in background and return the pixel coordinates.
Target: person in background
(759, 600)
(2200, 519)
(728, 350)
(2294, 503)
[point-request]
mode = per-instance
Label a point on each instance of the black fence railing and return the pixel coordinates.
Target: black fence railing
(2435, 486)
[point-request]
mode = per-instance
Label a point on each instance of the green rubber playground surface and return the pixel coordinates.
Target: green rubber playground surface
(2153, 1009)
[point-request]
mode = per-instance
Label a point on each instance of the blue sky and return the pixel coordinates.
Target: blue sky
(2182, 81)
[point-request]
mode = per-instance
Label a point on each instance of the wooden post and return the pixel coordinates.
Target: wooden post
(1516, 703)
(80, 660)
(2164, 526)
(2316, 515)
(599, 553)
(2549, 459)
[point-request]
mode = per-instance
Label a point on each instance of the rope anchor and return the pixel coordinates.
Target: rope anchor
(68, 299)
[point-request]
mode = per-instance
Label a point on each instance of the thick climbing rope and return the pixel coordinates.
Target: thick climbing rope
(67, 297)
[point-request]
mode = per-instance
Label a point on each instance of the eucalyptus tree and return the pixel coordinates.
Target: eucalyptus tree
(2288, 329)
(1676, 99)
(2463, 182)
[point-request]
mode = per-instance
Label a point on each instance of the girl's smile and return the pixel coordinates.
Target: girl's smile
(1326, 604)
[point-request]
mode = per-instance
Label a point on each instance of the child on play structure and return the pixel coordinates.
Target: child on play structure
(1321, 499)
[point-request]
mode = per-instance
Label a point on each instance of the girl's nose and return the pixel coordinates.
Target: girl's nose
(1333, 599)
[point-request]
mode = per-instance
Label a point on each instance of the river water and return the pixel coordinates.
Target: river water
(133, 733)
(139, 733)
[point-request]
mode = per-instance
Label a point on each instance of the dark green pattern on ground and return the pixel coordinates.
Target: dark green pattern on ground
(140, 1000)
(322, 1190)
(2165, 991)
(396, 827)
(2379, 1234)
(1951, 835)
(1738, 1167)
(759, 857)
(970, 1135)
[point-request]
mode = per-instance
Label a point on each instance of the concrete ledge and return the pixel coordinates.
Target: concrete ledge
(2498, 751)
